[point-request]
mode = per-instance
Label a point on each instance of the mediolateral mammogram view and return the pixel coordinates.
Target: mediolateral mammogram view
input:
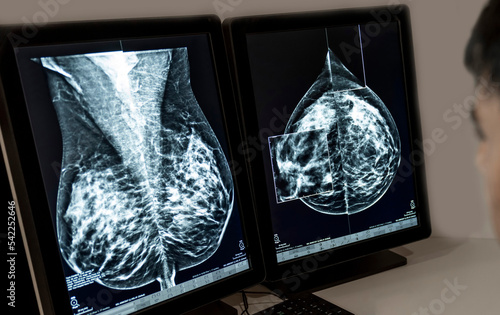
(145, 188)
(341, 148)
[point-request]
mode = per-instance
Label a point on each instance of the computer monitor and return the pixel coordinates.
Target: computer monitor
(333, 140)
(119, 140)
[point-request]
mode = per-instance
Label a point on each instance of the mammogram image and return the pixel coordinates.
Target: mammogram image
(341, 148)
(145, 188)
(305, 172)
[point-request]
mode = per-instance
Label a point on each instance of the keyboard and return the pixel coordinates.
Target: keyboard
(305, 304)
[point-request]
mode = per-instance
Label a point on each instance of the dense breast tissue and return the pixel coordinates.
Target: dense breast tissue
(341, 148)
(145, 188)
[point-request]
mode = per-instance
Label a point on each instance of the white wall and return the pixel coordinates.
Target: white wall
(441, 29)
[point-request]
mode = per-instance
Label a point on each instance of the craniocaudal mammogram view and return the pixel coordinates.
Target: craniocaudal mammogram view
(145, 188)
(340, 149)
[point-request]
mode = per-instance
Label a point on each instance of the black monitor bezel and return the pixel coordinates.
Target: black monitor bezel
(26, 178)
(235, 31)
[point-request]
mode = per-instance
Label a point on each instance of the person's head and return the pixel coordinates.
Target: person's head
(482, 58)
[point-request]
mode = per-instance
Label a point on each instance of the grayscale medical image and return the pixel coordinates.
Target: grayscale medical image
(350, 160)
(145, 188)
(304, 172)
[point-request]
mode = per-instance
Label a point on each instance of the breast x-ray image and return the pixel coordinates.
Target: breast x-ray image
(340, 150)
(145, 188)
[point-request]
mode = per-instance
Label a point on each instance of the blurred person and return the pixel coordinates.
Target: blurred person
(482, 59)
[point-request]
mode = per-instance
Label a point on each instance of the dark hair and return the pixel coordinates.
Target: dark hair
(482, 55)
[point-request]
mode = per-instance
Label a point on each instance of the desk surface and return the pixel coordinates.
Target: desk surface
(443, 276)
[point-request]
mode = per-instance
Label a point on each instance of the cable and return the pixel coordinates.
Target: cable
(245, 299)
(265, 292)
(245, 303)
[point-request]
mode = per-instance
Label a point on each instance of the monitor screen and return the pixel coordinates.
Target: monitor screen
(332, 133)
(132, 145)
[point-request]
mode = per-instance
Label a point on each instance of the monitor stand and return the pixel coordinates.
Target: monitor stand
(336, 274)
(217, 307)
